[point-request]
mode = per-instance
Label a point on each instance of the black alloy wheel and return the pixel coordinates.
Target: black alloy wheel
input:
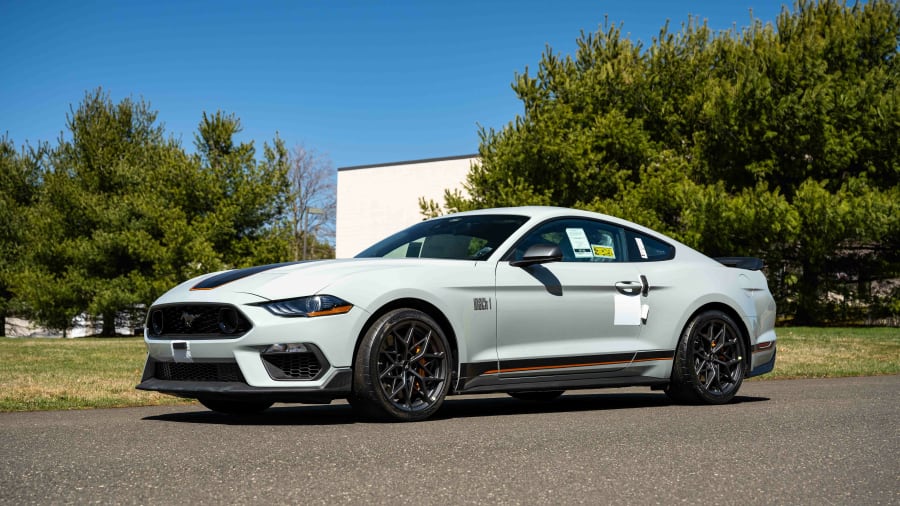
(709, 363)
(403, 367)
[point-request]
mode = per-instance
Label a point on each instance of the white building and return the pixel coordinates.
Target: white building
(374, 201)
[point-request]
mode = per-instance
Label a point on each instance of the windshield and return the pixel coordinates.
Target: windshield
(455, 237)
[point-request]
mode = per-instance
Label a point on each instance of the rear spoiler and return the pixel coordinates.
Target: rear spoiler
(748, 263)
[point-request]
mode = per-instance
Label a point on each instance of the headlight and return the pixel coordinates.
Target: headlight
(308, 307)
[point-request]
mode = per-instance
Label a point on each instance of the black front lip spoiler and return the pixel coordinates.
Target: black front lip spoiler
(338, 387)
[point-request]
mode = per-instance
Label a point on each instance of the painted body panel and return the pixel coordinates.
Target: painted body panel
(562, 309)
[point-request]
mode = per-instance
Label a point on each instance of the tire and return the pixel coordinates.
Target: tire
(542, 396)
(403, 368)
(709, 361)
(236, 407)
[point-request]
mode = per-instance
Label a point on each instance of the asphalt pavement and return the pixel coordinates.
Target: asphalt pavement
(827, 441)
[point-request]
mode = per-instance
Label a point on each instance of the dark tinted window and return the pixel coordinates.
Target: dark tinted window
(642, 248)
(580, 240)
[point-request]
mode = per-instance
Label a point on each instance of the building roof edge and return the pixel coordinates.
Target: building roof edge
(408, 162)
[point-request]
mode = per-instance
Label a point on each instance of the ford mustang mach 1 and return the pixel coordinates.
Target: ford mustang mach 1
(530, 301)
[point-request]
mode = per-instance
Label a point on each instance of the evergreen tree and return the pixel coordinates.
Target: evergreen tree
(123, 213)
(19, 183)
(243, 199)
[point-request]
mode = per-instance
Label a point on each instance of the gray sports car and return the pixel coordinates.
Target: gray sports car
(530, 301)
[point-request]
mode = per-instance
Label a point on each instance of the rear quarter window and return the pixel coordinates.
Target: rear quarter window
(642, 248)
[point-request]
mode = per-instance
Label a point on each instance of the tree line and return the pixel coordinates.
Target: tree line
(778, 140)
(102, 223)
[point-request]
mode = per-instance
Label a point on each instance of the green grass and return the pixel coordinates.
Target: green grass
(44, 374)
(813, 352)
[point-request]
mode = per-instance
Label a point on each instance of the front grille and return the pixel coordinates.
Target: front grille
(178, 371)
(295, 366)
(197, 320)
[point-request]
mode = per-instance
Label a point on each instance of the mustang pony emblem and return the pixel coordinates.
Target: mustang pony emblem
(188, 318)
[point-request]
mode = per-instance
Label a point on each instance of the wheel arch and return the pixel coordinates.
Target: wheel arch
(734, 315)
(425, 307)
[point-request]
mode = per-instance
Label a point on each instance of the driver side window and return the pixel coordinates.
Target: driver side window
(580, 240)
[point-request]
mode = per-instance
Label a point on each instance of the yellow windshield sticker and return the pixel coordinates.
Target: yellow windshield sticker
(603, 251)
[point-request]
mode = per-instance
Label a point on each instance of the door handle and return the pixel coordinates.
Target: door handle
(629, 287)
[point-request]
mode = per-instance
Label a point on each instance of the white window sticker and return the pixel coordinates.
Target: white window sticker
(628, 310)
(580, 244)
(640, 245)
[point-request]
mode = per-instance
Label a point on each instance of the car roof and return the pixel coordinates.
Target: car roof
(542, 213)
(531, 211)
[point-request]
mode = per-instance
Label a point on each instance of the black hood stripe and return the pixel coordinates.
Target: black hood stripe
(229, 276)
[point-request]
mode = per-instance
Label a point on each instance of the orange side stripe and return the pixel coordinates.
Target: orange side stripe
(651, 359)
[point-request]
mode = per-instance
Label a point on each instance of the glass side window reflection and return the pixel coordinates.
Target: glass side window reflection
(579, 241)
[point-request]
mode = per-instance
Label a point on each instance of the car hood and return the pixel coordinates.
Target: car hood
(281, 281)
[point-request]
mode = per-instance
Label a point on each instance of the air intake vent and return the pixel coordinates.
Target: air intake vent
(175, 371)
(294, 366)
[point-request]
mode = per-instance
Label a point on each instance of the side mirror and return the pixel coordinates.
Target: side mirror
(539, 254)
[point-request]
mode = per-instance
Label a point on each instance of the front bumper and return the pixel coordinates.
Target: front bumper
(335, 384)
(209, 364)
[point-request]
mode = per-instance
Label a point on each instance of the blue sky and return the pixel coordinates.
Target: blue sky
(361, 82)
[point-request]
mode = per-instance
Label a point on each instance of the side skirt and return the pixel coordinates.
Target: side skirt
(634, 375)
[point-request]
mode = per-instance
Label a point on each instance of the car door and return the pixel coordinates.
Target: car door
(580, 315)
(669, 290)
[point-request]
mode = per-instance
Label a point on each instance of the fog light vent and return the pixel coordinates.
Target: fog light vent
(294, 366)
(294, 361)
